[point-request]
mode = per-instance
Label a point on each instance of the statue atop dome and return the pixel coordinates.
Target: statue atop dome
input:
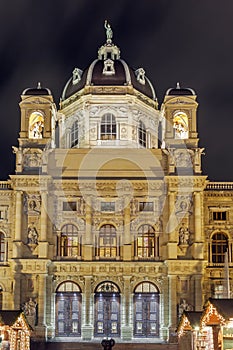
(109, 32)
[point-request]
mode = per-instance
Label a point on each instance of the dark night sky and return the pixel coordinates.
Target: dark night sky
(186, 41)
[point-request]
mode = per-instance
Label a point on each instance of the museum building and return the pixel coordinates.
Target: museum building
(108, 228)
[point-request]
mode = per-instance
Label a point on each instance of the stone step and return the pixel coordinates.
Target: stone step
(97, 346)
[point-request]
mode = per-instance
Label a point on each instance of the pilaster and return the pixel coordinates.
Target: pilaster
(17, 244)
(43, 243)
(172, 307)
(171, 227)
(127, 324)
(127, 254)
(197, 247)
(88, 310)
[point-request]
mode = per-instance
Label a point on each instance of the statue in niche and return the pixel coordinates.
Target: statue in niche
(134, 207)
(32, 234)
(29, 308)
(180, 125)
(184, 235)
(184, 306)
(109, 32)
(37, 130)
(82, 206)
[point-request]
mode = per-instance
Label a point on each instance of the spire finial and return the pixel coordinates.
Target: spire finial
(38, 85)
(109, 32)
(178, 85)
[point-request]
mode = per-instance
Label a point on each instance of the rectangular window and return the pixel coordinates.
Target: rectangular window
(107, 206)
(3, 212)
(69, 206)
(146, 206)
(219, 215)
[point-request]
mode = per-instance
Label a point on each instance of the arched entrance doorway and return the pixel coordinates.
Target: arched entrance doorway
(146, 310)
(68, 310)
(107, 310)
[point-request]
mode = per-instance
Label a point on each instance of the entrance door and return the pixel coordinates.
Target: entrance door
(68, 320)
(146, 322)
(107, 314)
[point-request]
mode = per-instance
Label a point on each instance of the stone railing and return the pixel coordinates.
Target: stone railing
(5, 185)
(220, 186)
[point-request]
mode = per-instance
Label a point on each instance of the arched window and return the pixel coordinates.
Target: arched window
(68, 309)
(146, 310)
(2, 247)
(219, 246)
(70, 245)
(74, 135)
(107, 242)
(147, 244)
(36, 125)
(142, 134)
(108, 127)
(107, 310)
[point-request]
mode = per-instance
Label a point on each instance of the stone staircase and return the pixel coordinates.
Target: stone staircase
(97, 346)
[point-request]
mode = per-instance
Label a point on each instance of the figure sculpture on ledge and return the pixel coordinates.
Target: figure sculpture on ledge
(109, 32)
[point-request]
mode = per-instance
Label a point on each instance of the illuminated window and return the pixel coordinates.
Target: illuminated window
(74, 135)
(142, 134)
(2, 247)
(219, 246)
(70, 241)
(107, 242)
(36, 125)
(147, 244)
(108, 127)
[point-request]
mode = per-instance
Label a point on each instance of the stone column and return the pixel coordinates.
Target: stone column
(43, 241)
(197, 247)
(40, 328)
(198, 293)
(17, 291)
(197, 216)
(18, 224)
(171, 227)
(88, 247)
(18, 215)
(43, 226)
(172, 307)
(126, 307)
(127, 255)
(88, 310)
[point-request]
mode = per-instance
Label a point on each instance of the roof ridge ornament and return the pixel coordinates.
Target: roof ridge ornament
(109, 32)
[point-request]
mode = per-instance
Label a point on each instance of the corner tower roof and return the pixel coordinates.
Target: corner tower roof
(37, 91)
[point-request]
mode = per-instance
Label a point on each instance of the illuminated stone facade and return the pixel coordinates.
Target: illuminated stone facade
(108, 227)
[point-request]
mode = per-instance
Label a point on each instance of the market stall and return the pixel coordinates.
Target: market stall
(14, 330)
